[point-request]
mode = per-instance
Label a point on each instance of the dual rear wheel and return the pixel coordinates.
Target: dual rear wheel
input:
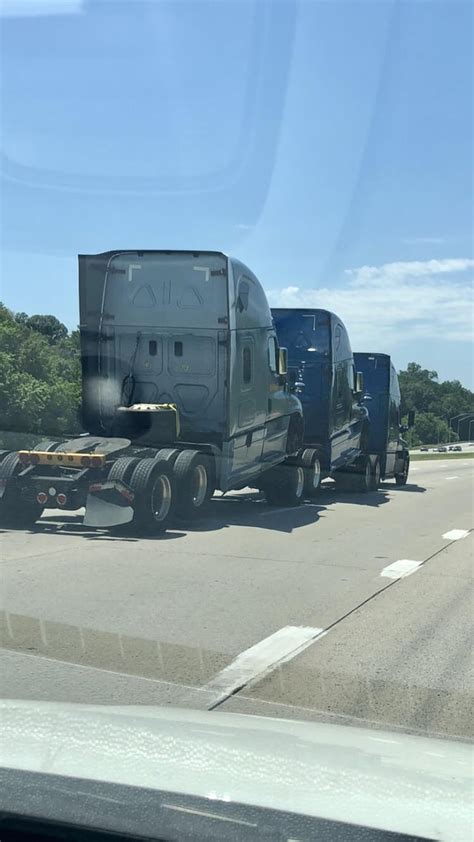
(173, 484)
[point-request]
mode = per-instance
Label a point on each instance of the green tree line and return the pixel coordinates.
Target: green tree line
(437, 405)
(40, 384)
(40, 375)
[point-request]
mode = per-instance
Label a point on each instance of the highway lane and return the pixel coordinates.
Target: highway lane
(89, 616)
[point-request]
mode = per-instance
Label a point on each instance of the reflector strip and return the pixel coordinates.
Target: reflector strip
(40, 457)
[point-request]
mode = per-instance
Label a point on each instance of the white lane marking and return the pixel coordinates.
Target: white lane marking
(452, 477)
(401, 568)
(278, 648)
(455, 534)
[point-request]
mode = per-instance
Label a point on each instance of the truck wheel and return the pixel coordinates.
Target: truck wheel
(375, 476)
(312, 472)
(153, 486)
(284, 485)
(401, 479)
(14, 511)
(193, 473)
(123, 468)
(169, 454)
(363, 478)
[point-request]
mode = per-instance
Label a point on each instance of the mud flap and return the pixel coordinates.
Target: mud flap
(103, 510)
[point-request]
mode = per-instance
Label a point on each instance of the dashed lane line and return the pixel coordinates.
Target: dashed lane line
(400, 569)
(259, 659)
(455, 534)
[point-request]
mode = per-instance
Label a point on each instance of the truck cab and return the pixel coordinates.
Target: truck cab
(322, 369)
(382, 399)
(190, 330)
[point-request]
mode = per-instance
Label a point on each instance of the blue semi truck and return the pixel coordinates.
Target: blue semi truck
(351, 403)
(382, 399)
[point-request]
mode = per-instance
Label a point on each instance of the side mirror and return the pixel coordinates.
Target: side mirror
(282, 361)
(359, 387)
(404, 428)
(411, 418)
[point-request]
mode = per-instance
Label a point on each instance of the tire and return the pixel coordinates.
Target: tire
(312, 472)
(284, 485)
(376, 471)
(169, 454)
(363, 478)
(358, 481)
(401, 479)
(194, 480)
(14, 511)
(123, 468)
(152, 483)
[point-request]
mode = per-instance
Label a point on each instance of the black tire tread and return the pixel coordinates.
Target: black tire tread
(183, 464)
(139, 482)
(123, 468)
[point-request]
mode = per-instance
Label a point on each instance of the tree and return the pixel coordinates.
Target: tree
(40, 384)
(432, 400)
(49, 326)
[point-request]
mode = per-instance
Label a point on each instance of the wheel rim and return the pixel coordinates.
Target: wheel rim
(299, 482)
(316, 475)
(199, 485)
(161, 497)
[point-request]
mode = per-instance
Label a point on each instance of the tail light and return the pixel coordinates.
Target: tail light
(42, 498)
(61, 499)
(85, 461)
(34, 458)
(24, 457)
(97, 461)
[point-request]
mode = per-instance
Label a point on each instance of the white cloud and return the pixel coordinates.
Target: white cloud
(396, 302)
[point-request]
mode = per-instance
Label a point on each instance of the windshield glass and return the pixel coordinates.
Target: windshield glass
(236, 377)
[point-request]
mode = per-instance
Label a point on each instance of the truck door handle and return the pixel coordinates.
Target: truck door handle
(248, 440)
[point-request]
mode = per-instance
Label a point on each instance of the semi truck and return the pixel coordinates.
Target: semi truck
(382, 399)
(325, 378)
(184, 391)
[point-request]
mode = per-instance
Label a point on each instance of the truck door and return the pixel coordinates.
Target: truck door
(276, 425)
(249, 393)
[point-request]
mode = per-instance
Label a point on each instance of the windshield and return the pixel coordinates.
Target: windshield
(236, 379)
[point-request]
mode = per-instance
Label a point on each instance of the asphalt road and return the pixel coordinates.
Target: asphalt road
(354, 609)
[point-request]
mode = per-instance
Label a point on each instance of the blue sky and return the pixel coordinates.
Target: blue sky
(326, 144)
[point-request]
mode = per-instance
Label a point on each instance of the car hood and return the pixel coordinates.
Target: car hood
(384, 780)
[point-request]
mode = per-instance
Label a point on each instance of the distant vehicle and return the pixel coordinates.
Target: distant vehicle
(456, 447)
(424, 449)
(442, 449)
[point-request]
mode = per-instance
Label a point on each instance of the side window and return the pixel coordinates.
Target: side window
(247, 364)
(272, 354)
